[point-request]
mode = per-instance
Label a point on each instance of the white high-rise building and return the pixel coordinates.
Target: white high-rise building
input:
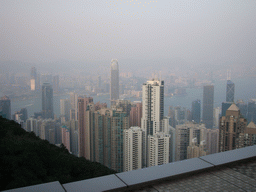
(158, 149)
(157, 126)
(152, 106)
(134, 142)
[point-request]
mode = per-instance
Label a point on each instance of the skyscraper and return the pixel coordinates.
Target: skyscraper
(114, 81)
(152, 106)
(230, 92)
(136, 114)
(232, 129)
(33, 79)
(196, 111)
(208, 98)
(83, 128)
(5, 107)
(47, 101)
(133, 145)
(158, 149)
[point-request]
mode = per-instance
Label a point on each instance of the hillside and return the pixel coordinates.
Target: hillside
(27, 160)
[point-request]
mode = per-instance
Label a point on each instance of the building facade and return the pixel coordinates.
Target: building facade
(208, 99)
(5, 107)
(232, 129)
(47, 101)
(158, 151)
(152, 106)
(114, 80)
(230, 91)
(196, 111)
(134, 141)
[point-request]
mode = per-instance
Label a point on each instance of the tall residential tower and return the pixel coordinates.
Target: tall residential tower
(152, 106)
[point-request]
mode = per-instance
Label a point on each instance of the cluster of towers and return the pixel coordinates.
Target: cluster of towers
(133, 135)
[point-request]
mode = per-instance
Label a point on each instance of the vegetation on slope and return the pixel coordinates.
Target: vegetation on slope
(27, 160)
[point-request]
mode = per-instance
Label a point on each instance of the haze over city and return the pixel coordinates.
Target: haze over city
(128, 84)
(167, 36)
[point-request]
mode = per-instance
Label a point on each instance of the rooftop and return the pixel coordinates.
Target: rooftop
(251, 125)
(227, 171)
(233, 107)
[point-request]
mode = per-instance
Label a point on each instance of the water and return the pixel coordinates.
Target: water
(244, 89)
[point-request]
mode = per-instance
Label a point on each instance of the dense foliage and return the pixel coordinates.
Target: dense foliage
(27, 160)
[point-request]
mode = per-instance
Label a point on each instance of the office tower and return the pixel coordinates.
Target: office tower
(231, 130)
(114, 81)
(230, 91)
(136, 114)
(184, 135)
(134, 139)
(56, 86)
(83, 126)
(5, 107)
(152, 106)
(196, 111)
(212, 140)
(64, 110)
(208, 97)
(243, 107)
(74, 106)
(33, 79)
(47, 101)
(158, 152)
(251, 114)
(65, 133)
(216, 117)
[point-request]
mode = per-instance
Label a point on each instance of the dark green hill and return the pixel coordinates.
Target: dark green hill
(27, 160)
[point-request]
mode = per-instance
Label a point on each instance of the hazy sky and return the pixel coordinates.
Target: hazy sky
(197, 32)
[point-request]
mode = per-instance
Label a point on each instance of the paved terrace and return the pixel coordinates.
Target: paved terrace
(227, 171)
